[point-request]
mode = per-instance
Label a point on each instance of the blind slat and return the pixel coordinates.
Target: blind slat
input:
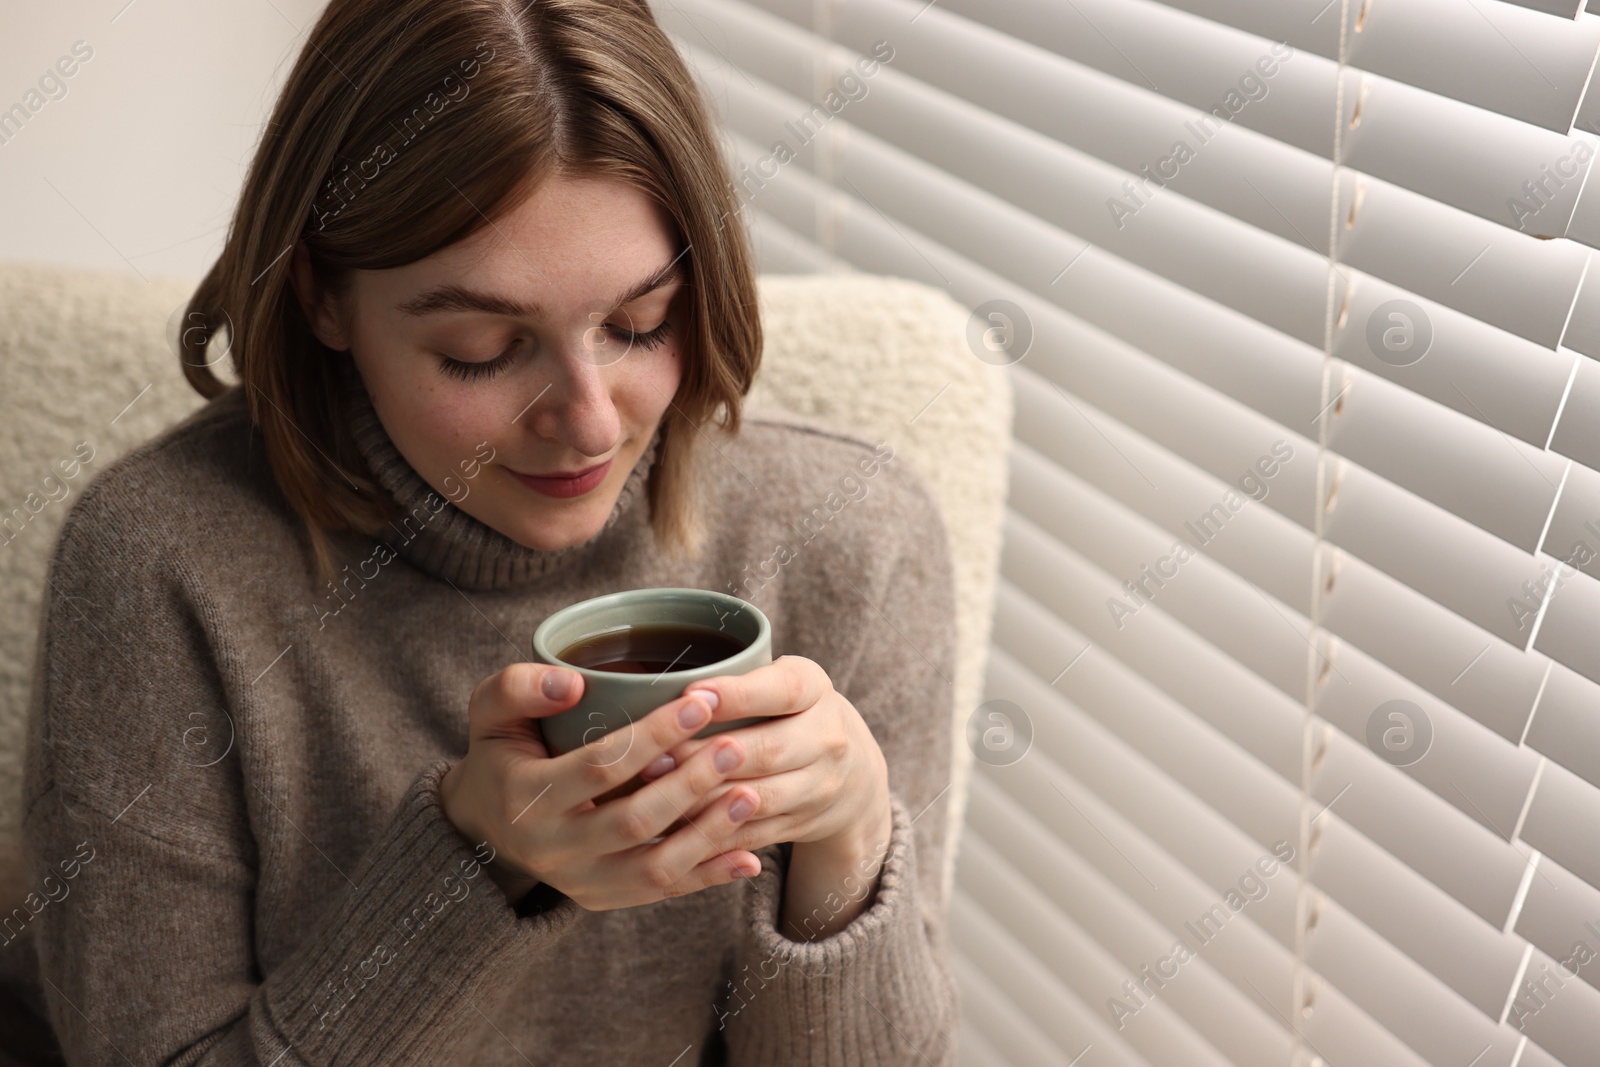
(1409, 555)
(1585, 225)
(1468, 373)
(1273, 642)
(1275, 186)
(1467, 467)
(1534, 1056)
(1565, 726)
(1065, 1022)
(1488, 679)
(1577, 434)
(1568, 632)
(1443, 845)
(1437, 45)
(1438, 1025)
(1512, 277)
(1457, 565)
(1396, 625)
(1476, 771)
(779, 250)
(1116, 777)
(1561, 912)
(1564, 1020)
(1459, 948)
(1472, 154)
(981, 967)
(1561, 821)
(1465, 569)
(974, 1050)
(1160, 1032)
(1170, 815)
(1408, 440)
(1279, 282)
(1567, 9)
(1512, 384)
(1523, 180)
(1103, 892)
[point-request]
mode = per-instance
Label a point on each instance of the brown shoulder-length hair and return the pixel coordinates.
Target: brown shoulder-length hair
(405, 126)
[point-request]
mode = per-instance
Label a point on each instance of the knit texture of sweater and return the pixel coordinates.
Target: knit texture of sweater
(232, 774)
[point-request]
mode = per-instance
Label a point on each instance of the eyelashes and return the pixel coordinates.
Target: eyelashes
(479, 372)
(471, 372)
(650, 339)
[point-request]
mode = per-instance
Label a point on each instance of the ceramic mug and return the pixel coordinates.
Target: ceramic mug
(613, 699)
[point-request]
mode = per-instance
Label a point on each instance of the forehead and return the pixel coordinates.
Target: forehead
(572, 241)
(568, 223)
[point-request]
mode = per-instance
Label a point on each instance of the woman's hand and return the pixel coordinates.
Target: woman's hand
(816, 769)
(539, 813)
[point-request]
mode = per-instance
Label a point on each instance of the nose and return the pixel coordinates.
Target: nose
(575, 409)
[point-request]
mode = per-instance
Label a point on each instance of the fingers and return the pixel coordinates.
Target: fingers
(790, 795)
(635, 819)
(595, 769)
(679, 755)
(503, 704)
(771, 747)
(720, 869)
(786, 685)
(678, 863)
(728, 867)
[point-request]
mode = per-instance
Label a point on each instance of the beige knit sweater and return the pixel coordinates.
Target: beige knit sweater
(240, 772)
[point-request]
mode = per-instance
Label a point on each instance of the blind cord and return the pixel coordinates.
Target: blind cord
(1304, 992)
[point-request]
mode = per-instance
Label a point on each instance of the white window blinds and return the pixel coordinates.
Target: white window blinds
(1301, 580)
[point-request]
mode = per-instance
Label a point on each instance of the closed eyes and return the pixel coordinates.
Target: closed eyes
(463, 370)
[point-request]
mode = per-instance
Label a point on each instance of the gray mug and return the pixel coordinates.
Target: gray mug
(612, 699)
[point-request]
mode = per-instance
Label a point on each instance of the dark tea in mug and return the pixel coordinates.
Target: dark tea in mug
(638, 649)
(651, 649)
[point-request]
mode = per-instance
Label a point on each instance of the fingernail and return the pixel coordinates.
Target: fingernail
(693, 714)
(741, 808)
(660, 765)
(726, 759)
(708, 695)
(556, 684)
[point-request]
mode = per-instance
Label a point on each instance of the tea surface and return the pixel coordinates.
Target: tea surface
(651, 649)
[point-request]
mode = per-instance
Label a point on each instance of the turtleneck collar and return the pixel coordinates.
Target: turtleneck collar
(453, 545)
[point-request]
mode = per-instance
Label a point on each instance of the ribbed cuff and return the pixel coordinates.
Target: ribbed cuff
(872, 993)
(424, 937)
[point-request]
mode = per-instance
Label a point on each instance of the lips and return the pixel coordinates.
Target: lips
(570, 474)
(565, 485)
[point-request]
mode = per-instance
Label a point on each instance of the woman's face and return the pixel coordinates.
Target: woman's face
(548, 337)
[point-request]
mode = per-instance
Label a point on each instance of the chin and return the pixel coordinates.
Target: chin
(578, 523)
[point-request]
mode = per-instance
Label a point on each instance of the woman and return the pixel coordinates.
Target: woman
(494, 318)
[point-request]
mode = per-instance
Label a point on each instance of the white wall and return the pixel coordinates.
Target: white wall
(147, 149)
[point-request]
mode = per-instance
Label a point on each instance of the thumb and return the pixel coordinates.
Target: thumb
(559, 688)
(505, 703)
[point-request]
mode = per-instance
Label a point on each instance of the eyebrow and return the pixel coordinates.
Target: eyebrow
(459, 298)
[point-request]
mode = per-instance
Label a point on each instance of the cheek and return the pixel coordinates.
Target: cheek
(437, 427)
(669, 371)
(643, 389)
(435, 422)
(667, 375)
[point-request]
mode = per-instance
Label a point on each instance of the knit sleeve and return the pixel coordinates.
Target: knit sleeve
(146, 941)
(879, 991)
